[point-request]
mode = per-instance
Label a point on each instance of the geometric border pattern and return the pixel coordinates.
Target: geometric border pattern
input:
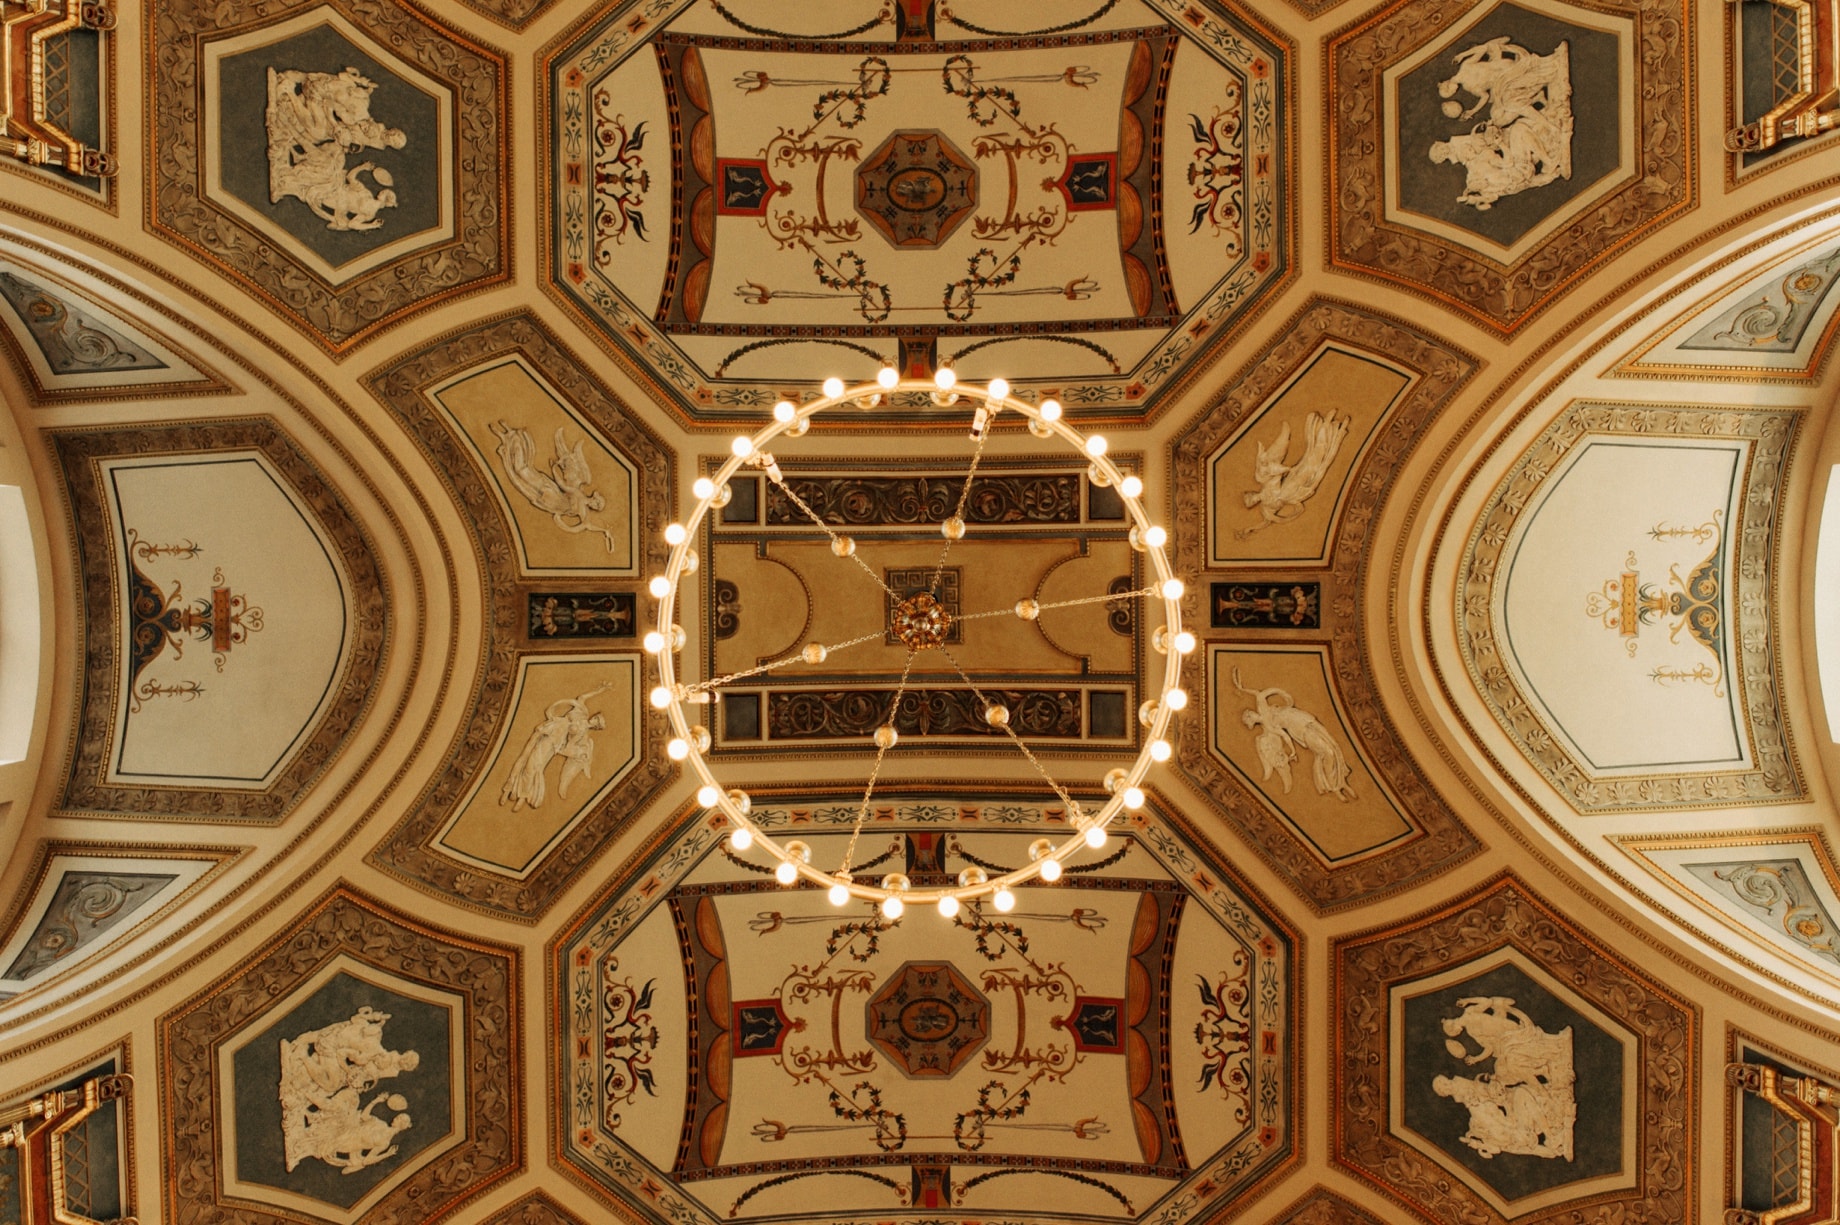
(1441, 371)
(86, 787)
(1503, 913)
(1500, 297)
(348, 924)
(407, 850)
(1776, 776)
(477, 254)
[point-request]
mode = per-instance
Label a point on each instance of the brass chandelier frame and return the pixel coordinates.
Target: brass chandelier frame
(920, 624)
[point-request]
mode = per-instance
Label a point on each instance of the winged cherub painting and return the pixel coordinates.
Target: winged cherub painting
(562, 492)
(1285, 487)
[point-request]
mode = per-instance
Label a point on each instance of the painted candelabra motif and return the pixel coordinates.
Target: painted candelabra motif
(161, 621)
(1525, 140)
(1527, 1103)
(1626, 604)
(325, 1074)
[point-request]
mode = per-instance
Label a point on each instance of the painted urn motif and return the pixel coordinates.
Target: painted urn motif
(928, 1019)
(916, 188)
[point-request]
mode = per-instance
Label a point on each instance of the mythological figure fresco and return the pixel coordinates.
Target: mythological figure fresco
(1527, 1104)
(1525, 141)
(315, 119)
(325, 1074)
(1279, 727)
(562, 492)
(1284, 488)
(563, 733)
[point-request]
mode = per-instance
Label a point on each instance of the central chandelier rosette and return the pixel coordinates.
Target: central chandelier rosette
(920, 622)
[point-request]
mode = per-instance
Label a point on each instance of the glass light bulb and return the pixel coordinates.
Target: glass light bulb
(1173, 588)
(654, 642)
(838, 895)
(1155, 537)
(783, 411)
(1050, 870)
(661, 697)
(742, 446)
(1050, 410)
(948, 906)
(1160, 750)
(833, 387)
(1004, 900)
(785, 873)
(1176, 699)
(1095, 445)
(1131, 486)
(1133, 799)
(999, 388)
(893, 907)
(740, 839)
(678, 749)
(887, 376)
(1095, 835)
(708, 797)
(703, 488)
(660, 586)
(945, 378)
(1185, 643)
(674, 533)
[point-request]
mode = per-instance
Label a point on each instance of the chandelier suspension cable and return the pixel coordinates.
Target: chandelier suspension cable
(921, 622)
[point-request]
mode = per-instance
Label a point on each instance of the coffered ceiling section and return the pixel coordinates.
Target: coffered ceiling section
(743, 198)
(1119, 1047)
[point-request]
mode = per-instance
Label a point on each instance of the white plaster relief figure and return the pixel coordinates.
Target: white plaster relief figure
(1528, 1103)
(314, 120)
(325, 1074)
(1278, 727)
(1525, 141)
(1284, 488)
(563, 733)
(562, 492)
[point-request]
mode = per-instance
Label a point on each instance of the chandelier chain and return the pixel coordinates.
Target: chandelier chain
(964, 498)
(881, 752)
(1072, 807)
(1091, 599)
(786, 488)
(716, 682)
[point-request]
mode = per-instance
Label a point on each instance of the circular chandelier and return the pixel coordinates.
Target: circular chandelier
(920, 622)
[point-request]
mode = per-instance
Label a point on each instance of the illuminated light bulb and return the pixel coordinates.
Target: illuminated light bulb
(785, 873)
(999, 388)
(660, 586)
(1185, 643)
(1173, 588)
(1004, 900)
(742, 446)
(661, 697)
(1050, 870)
(1095, 835)
(1133, 799)
(1050, 410)
(1155, 537)
(833, 387)
(740, 839)
(948, 906)
(783, 411)
(1160, 750)
(678, 749)
(708, 796)
(703, 488)
(1095, 445)
(838, 895)
(887, 376)
(1176, 699)
(945, 378)
(654, 642)
(893, 908)
(674, 533)
(1131, 486)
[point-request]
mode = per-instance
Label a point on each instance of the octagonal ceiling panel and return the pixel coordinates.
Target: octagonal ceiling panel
(1489, 154)
(1121, 1046)
(739, 209)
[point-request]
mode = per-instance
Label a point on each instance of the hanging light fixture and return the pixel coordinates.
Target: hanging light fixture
(920, 623)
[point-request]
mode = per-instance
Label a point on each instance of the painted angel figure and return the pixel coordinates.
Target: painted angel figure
(1284, 488)
(565, 733)
(562, 492)
(1279, 727)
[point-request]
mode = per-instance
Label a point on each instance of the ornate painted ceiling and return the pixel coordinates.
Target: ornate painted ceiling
(1477, 355)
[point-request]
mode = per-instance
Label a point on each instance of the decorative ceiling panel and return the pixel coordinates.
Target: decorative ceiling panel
(564, 493)
(57, 98)
(1288, 471)
(1489, 154)
(1089, 209)
(1120, 1046)
(222, 538)
(1497, 1063)
(1616, 607)
(343, 162)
